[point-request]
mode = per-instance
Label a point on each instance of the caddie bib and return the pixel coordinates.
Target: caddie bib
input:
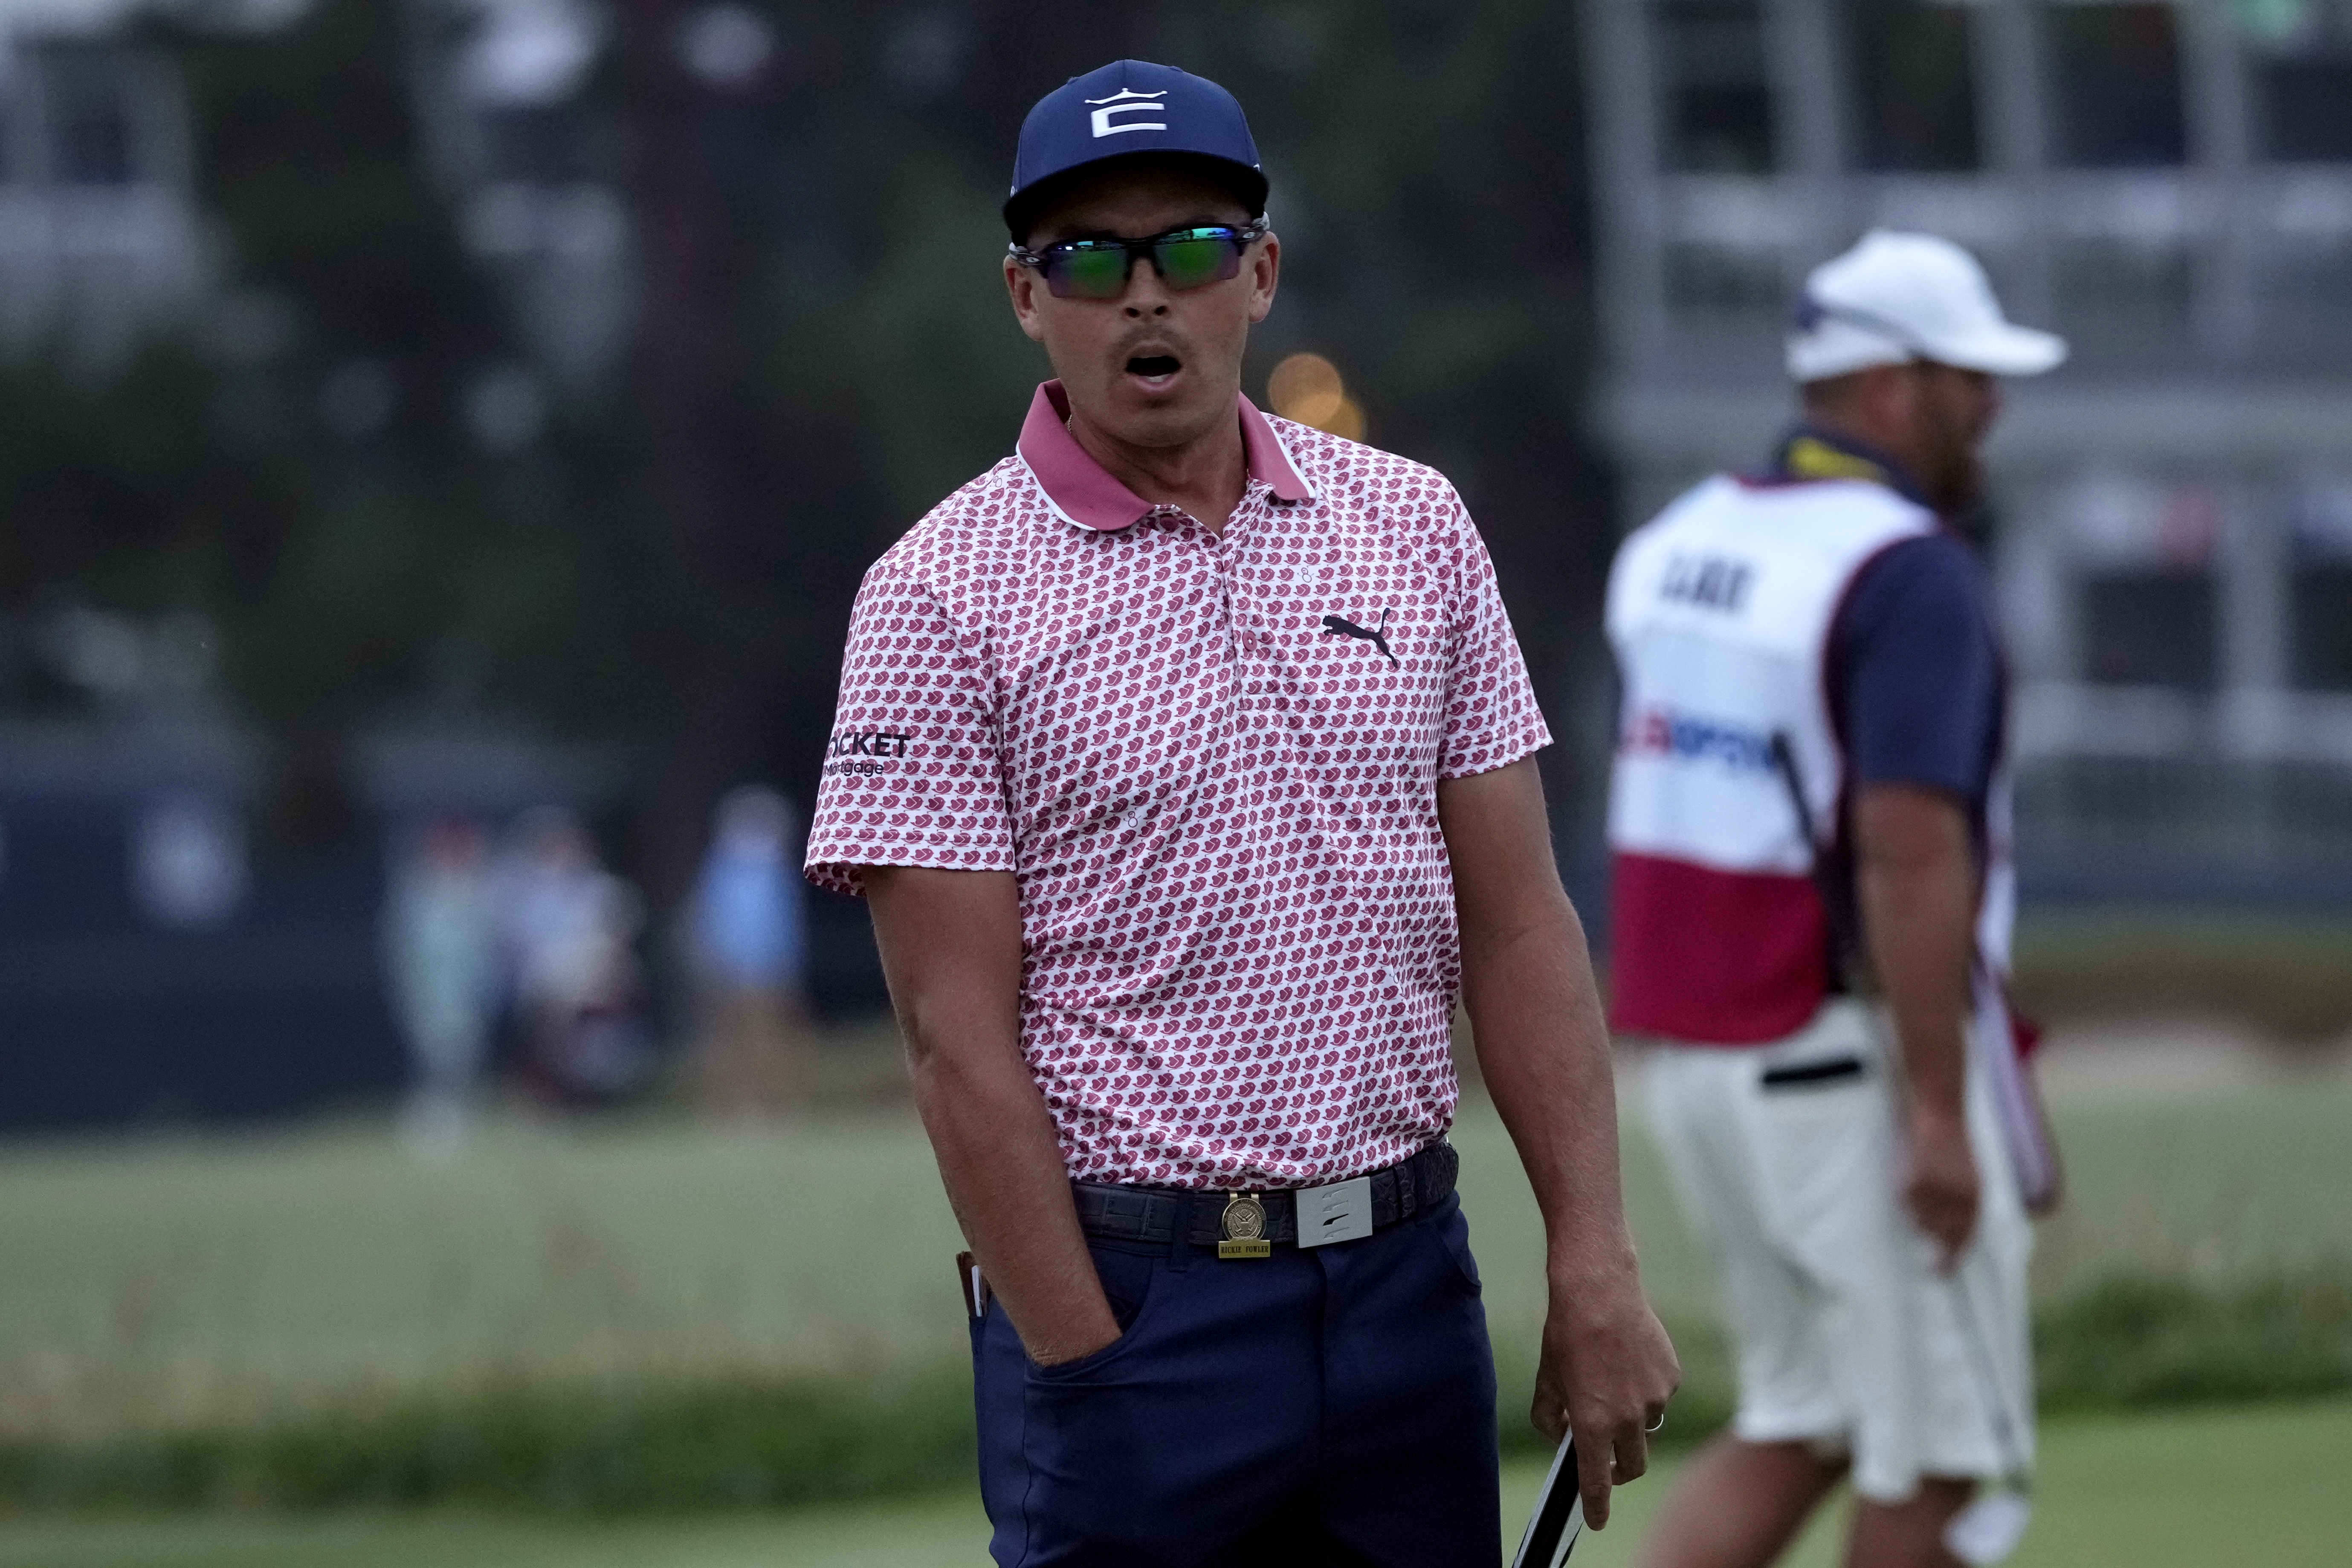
(1720, 611)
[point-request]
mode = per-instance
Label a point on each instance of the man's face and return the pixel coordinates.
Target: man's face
(1155, 366)
(1952, 412)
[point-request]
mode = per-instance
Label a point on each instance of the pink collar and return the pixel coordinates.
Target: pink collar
(1080, 490)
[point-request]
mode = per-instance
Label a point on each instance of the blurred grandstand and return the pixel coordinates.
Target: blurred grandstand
(2170, 186)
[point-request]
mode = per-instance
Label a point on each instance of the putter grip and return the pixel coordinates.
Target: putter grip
(1558, 1516)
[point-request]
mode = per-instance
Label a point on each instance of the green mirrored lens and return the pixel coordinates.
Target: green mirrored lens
(1090, 273)
(1187, 263)
(1098, 269)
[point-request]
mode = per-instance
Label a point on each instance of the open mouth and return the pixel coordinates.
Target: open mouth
(1154, 367)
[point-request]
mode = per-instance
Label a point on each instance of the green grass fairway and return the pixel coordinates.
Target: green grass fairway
(2263, 1487)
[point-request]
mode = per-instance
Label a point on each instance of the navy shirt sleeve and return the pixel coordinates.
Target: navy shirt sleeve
(1913, 673)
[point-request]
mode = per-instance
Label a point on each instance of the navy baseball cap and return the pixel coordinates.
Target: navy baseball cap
(1126, 108)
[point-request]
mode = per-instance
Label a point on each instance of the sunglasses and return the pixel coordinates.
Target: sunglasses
(1184, 258)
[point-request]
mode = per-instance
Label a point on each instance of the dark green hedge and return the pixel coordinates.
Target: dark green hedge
(2137, 1342)
(746, 1444)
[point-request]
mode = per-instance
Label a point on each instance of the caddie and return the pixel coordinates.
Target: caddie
(1813, 892)
(1186, 760)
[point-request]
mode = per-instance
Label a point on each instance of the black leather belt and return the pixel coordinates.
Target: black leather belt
(1149, 1213)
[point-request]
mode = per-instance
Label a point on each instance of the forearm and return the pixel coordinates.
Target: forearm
(1923, 979)
(1917, 885)
(954, 974)
(1535, 1016)
(1002, 1165)
(1543, 1051)
(1606, 1370)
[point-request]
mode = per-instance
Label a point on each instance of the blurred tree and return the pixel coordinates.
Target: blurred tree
(285, 465)
(825, 331)
(821, 352)
(306, 153)
(1430, 178)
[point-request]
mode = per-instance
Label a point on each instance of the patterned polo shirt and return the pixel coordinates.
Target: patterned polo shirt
(1211, 760)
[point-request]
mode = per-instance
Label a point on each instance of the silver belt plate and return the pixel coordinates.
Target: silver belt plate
(1340, 1212)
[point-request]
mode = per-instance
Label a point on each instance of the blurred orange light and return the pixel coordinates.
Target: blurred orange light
(1346, 420)
(1307, 387)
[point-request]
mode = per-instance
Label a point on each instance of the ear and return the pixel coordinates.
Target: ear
(1021, 282)
(1266, 273)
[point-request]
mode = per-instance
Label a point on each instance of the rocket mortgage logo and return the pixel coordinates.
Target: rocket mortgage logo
(861, 753)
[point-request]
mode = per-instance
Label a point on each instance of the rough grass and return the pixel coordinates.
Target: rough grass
(2139, 1342)
(2291, 975)
(646, 1317)
(2124, 1344)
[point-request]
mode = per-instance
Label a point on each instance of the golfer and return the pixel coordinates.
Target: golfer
(1809, 808)
(1185, 758)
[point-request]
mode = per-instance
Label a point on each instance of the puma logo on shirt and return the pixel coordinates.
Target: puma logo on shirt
(1348, 628)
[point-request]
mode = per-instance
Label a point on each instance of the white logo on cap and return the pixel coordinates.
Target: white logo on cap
(1127, 101)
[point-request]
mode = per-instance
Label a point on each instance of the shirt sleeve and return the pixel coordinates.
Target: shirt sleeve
(1915, 674)
(1491, 717)
(913, 773)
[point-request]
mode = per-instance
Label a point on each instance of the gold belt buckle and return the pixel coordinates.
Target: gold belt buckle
(1244, 1227)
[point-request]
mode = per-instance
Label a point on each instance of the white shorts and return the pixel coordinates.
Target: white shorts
(1846, 1335)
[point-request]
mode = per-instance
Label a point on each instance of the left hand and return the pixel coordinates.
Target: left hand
(1941, 1188)
(1607, 1371)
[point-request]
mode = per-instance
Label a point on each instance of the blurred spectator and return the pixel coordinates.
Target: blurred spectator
(751, 950)
(188, 867)
(571, 928)
(441, 950)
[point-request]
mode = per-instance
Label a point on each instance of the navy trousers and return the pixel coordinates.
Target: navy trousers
(1333, 1406)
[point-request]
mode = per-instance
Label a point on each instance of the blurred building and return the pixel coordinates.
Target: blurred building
(97, 228)
(2169, 184)
(529, 167)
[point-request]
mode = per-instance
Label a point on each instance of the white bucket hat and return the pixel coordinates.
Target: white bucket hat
(1896, 297)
